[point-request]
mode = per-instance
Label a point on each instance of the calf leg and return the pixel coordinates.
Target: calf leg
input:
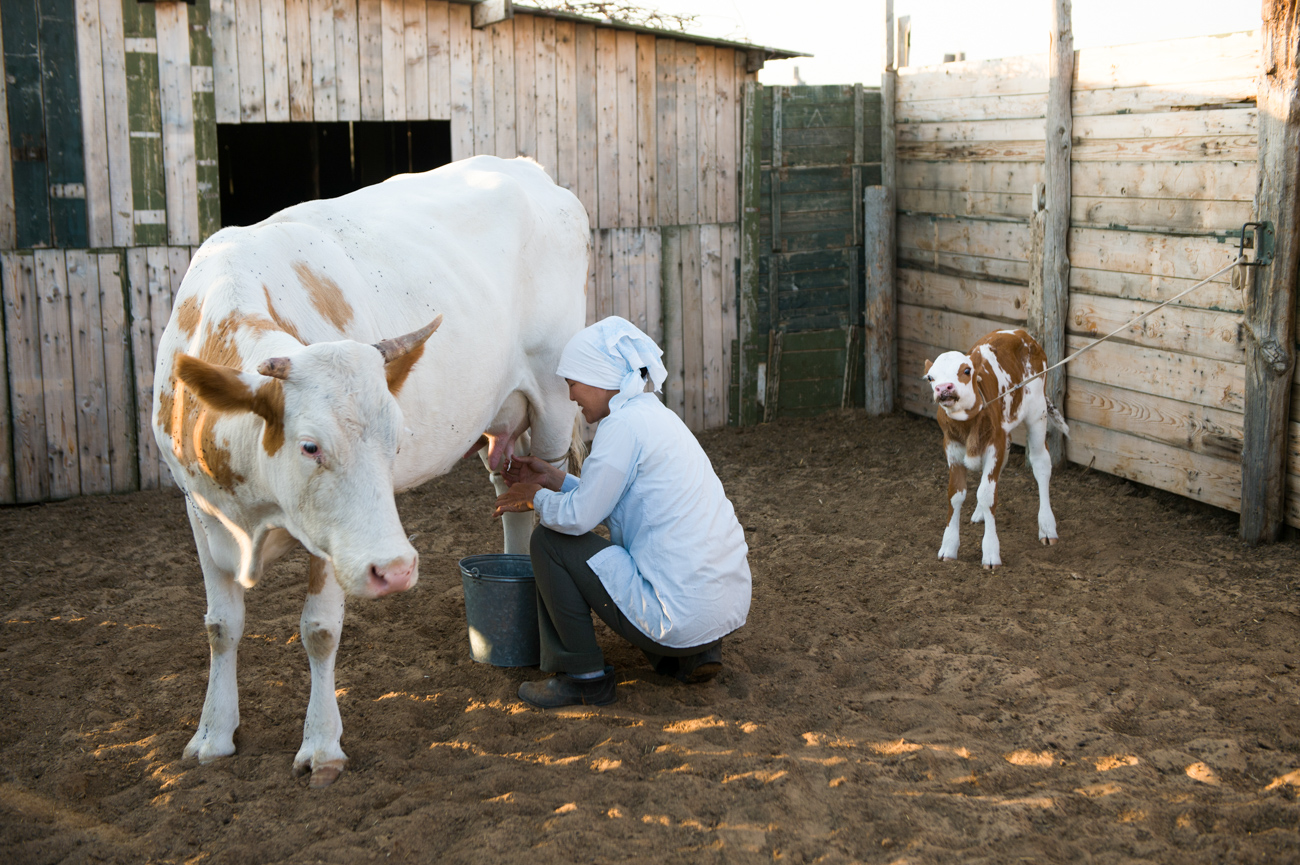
(987, 502)
(956, 497)
(224, 621)
(1040, 460)
(320, 626)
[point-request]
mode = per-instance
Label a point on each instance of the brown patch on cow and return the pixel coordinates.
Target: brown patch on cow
(316, 576)
(326, 295)
(283, 323)
(188, 315)
(397, 370)
(268, 404)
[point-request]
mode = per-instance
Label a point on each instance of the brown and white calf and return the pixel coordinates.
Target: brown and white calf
(977, 427)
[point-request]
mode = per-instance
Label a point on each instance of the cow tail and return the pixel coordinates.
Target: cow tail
(577, 448)
(1054, 417)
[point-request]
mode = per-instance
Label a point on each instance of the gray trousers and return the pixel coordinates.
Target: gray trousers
(568, 590)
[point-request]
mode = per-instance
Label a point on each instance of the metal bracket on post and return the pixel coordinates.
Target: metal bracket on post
(1261, 240)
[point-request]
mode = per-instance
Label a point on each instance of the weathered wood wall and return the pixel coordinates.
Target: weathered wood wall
(1163, 176)
(112, 109)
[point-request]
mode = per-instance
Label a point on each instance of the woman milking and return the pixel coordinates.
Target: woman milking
(673, 578)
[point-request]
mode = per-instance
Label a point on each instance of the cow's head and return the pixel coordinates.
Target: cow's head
(952, 380)
(330, 433)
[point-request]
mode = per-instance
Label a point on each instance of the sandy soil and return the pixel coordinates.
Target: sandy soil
(1129, 695)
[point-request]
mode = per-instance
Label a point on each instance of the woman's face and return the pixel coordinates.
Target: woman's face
(594, 401)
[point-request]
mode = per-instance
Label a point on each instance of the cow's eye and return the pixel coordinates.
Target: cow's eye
(311, 449)
(929, 378)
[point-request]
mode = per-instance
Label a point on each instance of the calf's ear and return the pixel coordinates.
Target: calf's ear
(927, 367)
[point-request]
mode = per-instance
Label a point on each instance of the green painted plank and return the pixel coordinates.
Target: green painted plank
(827, 154)
(822, 395)
(812, 365)
(838, 136)
(205, 123)
(815, 341)
(835, 199)
(811, 179)
(144, 118)
(27, 122)
(64, 146)
(818, 300)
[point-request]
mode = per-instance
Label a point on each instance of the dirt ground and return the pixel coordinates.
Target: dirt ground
(1129, 695)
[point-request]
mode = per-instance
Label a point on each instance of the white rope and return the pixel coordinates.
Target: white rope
(1121, 328)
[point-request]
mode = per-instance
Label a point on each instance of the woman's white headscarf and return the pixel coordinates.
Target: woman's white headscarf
(610, 355)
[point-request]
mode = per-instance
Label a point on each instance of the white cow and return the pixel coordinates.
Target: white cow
(290, 408)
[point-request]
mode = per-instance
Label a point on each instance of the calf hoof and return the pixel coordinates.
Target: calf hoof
(992, 566)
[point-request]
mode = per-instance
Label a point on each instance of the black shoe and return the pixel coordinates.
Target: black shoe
(564, 690)
(700, 667)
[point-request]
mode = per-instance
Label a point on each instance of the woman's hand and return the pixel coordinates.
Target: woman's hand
(517, 499)
(531, 470)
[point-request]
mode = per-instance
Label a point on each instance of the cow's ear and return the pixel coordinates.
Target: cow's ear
(927, 367)
(218, 387)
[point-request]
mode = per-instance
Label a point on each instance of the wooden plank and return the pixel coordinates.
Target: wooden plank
(713, 384)
(587, 189)
(525, 86)
(671, 296)
(1199, 429)
(1271, 294)
(415, 35)
(391, 62)
(88, 377)
(666, 131)
(1004, 76)
(117, 121)
(1175, 61)
(275, 61)
(94, 123)
(462, 81)
(748, 338)
(646, 135)
(370, 47)
(56, 374)
(999, 300)
(176, 99)
(347, 58)
(692, 328)
(1156, 288)
(653, 285)
(298, 46)
(688, 193)
(566, 108)
(605, 274)
(951, 202)
(26, 394)
(26, 121)
(1194, 96)
(438, 54)
(635, 250)
(252, 74)
(1208, 333)
(990, 178)
(1004, 151)
(65, 154)
(973, 130)
(161, 288)
(706, 131)
(225, 60)
(118, 395)
(484, 93)
(1217, 123)
(7, 492)
(204, 108)
(8, 217)
(544, 66)
(1173, 215)
(949, 330)
(627, 134)
(607, 166)
(730, 238)
(1199, 181)
(878, 309)
(142, 366)
(1191, 258)
(1184, 377)
(998, 106)
(1007, 241)
(727, 142)
(324, 66)
(503, 98)
(1203, 478)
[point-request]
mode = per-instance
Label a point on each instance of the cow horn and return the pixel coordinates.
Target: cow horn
(275, 367)
(394, 348)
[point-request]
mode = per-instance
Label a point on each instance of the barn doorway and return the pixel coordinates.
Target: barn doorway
(266, 167)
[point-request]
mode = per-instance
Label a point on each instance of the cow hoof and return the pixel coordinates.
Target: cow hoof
(207, 751)
(944, 558)
(323, 776)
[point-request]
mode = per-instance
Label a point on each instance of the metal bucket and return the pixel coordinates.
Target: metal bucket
(501, 610)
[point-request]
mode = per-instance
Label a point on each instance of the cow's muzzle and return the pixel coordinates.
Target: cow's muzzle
(397, 575)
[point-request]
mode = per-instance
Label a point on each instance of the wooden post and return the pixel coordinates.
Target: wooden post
(880, 376)
(750, 185)
(1270, 302)
(1056, 229)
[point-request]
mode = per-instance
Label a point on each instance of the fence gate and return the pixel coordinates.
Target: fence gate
(816, 147)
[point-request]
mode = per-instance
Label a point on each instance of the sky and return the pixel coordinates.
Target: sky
(847, 36)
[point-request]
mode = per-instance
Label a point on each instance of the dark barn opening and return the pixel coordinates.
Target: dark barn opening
(266, 167)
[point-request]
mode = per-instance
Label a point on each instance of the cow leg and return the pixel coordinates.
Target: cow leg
(1040, 460)
(956, 497)
(320, 626)
(224, 621)
(518, 527)
(987, 501)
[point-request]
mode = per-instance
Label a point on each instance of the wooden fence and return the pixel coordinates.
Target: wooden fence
(1163, 176)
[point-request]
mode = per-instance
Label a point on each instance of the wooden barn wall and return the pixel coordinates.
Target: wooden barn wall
(1163, 176)
(118, 103)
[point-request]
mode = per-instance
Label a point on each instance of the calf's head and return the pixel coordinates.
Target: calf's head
(329, 438)
(952, 382)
